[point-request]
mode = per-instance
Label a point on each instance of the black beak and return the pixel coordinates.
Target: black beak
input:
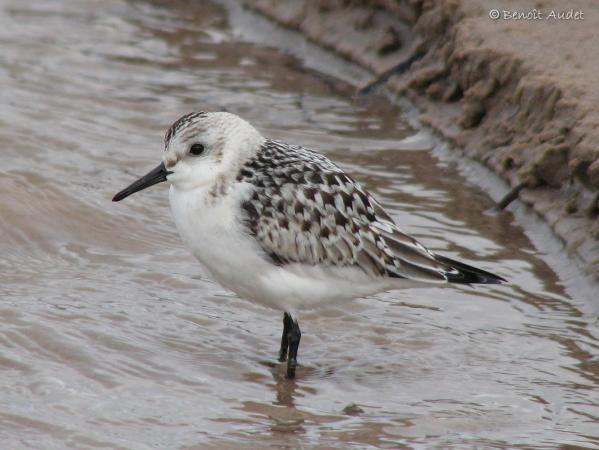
(155, 176)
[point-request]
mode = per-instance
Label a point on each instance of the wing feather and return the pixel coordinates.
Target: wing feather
(304, 209)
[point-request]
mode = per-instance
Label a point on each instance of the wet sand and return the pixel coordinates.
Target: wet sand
(114, 337)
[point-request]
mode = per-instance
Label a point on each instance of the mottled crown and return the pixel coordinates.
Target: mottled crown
(181, 123)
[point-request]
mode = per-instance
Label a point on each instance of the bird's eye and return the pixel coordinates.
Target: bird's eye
(196, 149)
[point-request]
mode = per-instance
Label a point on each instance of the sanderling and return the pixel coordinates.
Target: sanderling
(282, 225)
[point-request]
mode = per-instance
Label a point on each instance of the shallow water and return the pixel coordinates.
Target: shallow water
(111, 334)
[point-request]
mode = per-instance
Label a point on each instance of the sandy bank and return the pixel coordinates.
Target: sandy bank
(518, 93)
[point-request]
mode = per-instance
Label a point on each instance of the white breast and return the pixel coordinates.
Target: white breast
(210, 228)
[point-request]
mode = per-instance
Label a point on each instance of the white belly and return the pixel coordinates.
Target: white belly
(218, 240)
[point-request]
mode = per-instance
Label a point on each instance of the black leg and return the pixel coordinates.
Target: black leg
(293, 337)
(287, 321)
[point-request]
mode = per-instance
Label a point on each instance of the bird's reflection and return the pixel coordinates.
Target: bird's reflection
(285, 388)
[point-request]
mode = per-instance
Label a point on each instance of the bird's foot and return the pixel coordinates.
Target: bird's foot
(291, 366)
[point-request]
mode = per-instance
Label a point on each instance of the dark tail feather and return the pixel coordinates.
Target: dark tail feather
(468, 274)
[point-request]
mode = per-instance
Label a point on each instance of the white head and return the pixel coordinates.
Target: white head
(199, 149)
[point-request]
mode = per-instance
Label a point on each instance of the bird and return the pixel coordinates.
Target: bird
(283, 226)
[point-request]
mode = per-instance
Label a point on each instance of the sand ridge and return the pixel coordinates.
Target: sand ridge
(512, 83)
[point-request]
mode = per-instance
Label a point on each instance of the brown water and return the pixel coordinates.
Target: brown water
(111, 335)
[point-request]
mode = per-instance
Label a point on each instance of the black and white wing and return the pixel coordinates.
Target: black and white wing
(304, 209)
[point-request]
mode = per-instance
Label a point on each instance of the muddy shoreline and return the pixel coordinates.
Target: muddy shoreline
(488, 88)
